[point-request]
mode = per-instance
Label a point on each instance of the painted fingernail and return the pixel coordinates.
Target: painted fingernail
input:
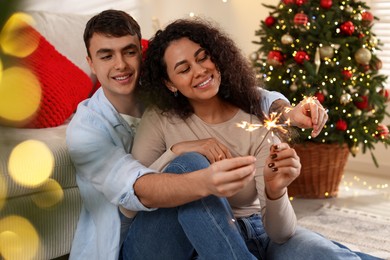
(275, 169)
(273, 156)
(270, 165)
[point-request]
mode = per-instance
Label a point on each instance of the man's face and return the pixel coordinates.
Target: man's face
(116, 62)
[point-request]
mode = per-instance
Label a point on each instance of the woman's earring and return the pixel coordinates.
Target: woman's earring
(175, 94)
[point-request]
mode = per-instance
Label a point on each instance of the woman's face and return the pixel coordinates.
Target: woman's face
(191, 70)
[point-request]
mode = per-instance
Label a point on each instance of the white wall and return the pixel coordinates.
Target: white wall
(240, 18)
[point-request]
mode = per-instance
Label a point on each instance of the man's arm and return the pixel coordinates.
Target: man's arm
(304, 115)
(222, 179)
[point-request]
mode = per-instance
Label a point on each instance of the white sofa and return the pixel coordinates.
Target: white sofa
(55, 225)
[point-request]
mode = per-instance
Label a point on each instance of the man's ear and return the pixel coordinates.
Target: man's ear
(89, 60)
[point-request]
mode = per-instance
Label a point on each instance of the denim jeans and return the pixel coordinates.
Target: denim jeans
(305, 244)
(205, 228)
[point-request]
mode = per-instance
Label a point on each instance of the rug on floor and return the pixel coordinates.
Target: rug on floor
(358, 230)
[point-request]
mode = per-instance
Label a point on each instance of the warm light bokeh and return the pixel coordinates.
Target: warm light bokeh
(31, 163)
(1, 70)
(20, 95)
(49, 194)
(18, 238)
(3, 190)
(17, 37)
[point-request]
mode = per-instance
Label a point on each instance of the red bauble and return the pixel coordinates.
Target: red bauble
(269, 21)
(386, 93)
(300, 19)
(364, 68)
(377, 65)
(347, 28)
(326, 4)
(347, 74)
(300, 2)
(275, 58)
(320, 97)
(362, 104)
(288, 2)
(301, 56)
(341, 125)
(367, 18)
(383, 131)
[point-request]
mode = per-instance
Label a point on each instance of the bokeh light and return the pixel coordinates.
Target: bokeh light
(3, 190)
(18, 38)
(20, 96)
(49, 194)
(1, 70)
(30, 163)
(18, 238)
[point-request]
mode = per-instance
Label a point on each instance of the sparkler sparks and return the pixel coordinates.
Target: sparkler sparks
(270, 123)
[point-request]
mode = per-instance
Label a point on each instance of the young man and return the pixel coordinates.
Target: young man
(99, 140)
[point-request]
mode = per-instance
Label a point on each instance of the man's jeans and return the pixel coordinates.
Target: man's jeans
(305, 244)
(205, 226)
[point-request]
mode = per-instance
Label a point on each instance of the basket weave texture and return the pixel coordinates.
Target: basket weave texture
(322, 170)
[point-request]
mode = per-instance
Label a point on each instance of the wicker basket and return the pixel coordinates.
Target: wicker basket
(322, 170)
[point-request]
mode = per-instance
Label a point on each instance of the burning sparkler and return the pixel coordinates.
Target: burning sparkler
(270, 122)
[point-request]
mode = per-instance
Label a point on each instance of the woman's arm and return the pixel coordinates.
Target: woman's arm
(281, 168)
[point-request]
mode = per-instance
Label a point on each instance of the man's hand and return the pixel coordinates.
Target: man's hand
(227, 177)
(304, 115)
(210, 147)
(309, 115)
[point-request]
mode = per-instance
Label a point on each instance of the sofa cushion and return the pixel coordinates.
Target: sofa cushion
(65, 32)
(63, 85)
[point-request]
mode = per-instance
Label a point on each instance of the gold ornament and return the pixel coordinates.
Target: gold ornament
(326, 52)
(358, 112)
(287, 39)
(373, 41)
(355, 150)
(293, 87)
(348, 9)
(345, 98)
(253, 56)
(363, 56)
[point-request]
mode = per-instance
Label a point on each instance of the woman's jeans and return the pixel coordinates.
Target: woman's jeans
(305, 244)
(205, 227)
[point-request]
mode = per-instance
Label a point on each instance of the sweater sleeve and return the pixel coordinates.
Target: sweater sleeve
(278, 215)
(149, 146)
(280, 220)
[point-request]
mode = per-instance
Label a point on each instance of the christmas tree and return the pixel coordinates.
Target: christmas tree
(327, 50)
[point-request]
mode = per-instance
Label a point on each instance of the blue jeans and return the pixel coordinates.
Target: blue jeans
(305, 244)
(205, 227)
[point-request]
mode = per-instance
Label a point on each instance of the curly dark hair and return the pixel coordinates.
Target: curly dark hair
(238, 80)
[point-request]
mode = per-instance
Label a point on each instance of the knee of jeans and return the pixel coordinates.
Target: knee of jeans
(188, 162)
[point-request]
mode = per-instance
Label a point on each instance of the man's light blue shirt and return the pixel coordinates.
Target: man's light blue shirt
(99, 142)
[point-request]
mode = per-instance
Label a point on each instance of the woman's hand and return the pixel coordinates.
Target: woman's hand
(211, 148)
(282, 167)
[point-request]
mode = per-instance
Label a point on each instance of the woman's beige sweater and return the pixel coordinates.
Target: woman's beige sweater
(156, 134)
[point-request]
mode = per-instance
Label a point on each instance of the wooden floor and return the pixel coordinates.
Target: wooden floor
(368, 193)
